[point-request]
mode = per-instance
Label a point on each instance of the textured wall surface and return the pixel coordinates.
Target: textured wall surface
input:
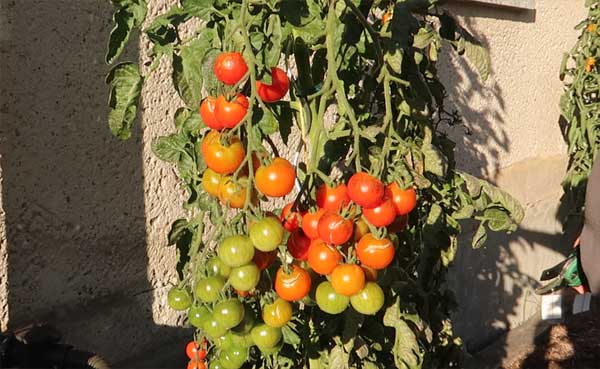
(83, 217)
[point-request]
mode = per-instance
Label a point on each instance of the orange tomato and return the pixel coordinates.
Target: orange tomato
(404, 200)
(310, 223)
(347, 279)
(292, 286)
(322, 257)
(375, 253)
(223, 158)
(211, 181)
(231, 193)
(276, 179)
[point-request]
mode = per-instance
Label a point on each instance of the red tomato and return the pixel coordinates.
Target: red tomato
(382, 215)
(332, 199)
(310, 223)
(404, 200)
(191, 350)
(276, 179)
(263, 260)
(323, 258)
(334, 229)
(365, 190)
(207, 113)
(230, 113)
(277, 89)
(290, 219)
(298, 245)
(292, 286)
(375, 253)
(221, 157)
(196, 364)
(229, 68)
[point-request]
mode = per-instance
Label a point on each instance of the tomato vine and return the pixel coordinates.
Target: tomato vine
(355, 276)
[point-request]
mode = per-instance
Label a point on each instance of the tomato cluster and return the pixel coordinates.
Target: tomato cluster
(244, 294)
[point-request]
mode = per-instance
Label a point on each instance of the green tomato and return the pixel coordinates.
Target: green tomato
(233, 357)
(229, 312)
(272, 350)
(236, 251)
(217, 267)
(247, 323)
(179, 298)
(231, 339)
(209, 289)
(265, 337)
(330, 301)
(245, 277)
(278, 313)
(369, 300)
(266, 234)
(213, 328)
(197, 315)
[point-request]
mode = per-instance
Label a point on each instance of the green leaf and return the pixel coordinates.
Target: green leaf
(479, 237)
(449, 253)
(498, 219)
(163, 29)
(170, 148)
(435, 162)
(406, 347)
(424, 38)
(211, 83)
(187, 69)
(290, 336)
(129, 15)
(198, 8)
(266, 122)
(338, 358)
(125, 84)
(178, 229)
(479, 57)
(188, 121)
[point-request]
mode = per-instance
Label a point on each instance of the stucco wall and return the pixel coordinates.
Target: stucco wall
(84, 217)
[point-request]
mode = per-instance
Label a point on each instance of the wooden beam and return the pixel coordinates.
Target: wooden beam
(519, 4)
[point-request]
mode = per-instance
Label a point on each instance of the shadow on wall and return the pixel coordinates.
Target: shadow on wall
(73, 195)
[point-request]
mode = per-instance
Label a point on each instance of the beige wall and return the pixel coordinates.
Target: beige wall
(82, 231)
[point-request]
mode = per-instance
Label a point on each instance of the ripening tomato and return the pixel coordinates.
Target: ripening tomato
(235, 250)
(211, 181)
(292, 286)
(369, 300)
(207, 113)
(382, 215)
(330, 301)
(230, 67)
(233, 194)
(290, 219)
(347, 279)
(310, 223)
(278, 313)
(323, 258)
(298, 245)
(365, 190)
(230, 113)
(361, 228)
(334, 229)
(196, 364)
(277, 89)
(404, 200)
(276, 179)
(375, 253)
(223, 158)
(263, 260)
(332, 198)
(265, 336)
(266, 234)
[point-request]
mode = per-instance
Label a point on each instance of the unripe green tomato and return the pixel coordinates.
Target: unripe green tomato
(213, 328)
(197, 315)
(229, 312)
(179, 298)
(330, 301)
(209, 289)
(233, 357)
(217, 267)
(267, 234)
(235, 251)
(278, 313)
(272, 350)
(369, 300)
(245, 277)
(265, 337)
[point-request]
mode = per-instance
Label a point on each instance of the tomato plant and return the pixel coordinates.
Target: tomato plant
(335, 105)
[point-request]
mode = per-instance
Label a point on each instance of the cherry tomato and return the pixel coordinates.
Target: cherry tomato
(382, 215)
(233, 357)
(404, 200)
(179, 298)
(207, 113)
(196, 364)
(211, 181)
(229, 312)
(292, 286)
(277, 89)
(329, 300)
(266, 234)
(375, 253)
(365, 190)
(231, 113)
(347, 279)
(230, 67)
(310, 223)
(209, 289)
(236, 250)
(298, 245)
(276, 179)
(245, 277)
(323, 258)
(333, 199)
(334, 229)
(213, 329)
(233, 194)
(277, 314)
(369, 300)
(290, 219)
(217, 267)
(220, 157)
(197, 314)
(263, 260)
(271, 350)
(265, 336)
(361, 228)
(194, 352)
